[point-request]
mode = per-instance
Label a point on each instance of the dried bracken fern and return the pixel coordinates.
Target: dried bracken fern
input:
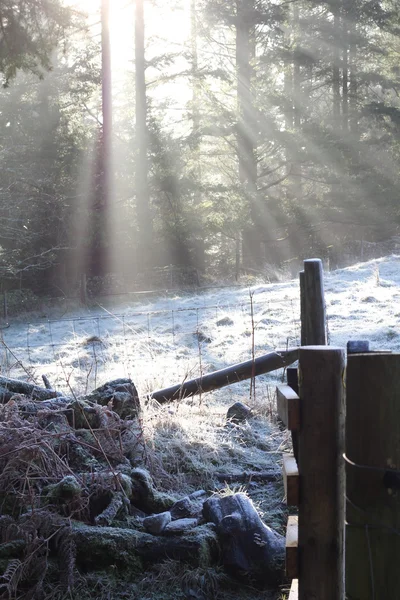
(11, 577)
(38, 534)
(51, 472)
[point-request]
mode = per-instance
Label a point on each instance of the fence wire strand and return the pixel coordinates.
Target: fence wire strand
(135, 341)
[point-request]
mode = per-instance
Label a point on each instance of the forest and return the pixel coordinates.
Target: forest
(221, 137)
(150, 448)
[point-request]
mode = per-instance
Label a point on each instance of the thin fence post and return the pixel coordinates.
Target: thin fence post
(237, 258)
(83, 289)
(313, 303)
(372, 476)
(321, 506)
(5, 306)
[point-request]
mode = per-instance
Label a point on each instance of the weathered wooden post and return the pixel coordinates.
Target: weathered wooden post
(312, 313)
(373, 476)
(313, 321)
(303, 310)
(321, 444)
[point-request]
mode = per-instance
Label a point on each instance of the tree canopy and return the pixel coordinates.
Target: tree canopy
(29, 31)
(245, 134)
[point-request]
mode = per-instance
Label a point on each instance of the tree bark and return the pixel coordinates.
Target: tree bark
(336, 99)
(246, 127)
(143, 209)
(10, 387)
(106, 94)
(345, 78)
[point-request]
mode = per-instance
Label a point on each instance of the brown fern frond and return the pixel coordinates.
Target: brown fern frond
(11, 576)
(5, 522)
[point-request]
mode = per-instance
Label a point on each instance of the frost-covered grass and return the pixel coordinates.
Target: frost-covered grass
(162, 341)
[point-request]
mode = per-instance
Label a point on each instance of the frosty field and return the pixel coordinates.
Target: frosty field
(190, 445)
(165, 340)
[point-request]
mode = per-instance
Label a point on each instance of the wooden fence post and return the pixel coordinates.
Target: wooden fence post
(373, 476)
(303, 309)
(321, 507)
(313, 327)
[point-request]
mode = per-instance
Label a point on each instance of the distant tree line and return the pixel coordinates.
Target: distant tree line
(288, 144)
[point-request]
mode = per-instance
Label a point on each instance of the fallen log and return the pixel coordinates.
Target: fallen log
(127, 549)
(218, 379)
(9, 387)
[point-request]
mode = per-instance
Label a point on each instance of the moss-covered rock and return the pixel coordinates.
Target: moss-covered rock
(121, 395)
(145, 496)
(65, 490)
(83, 416)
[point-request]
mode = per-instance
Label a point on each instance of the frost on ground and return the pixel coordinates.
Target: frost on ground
(162, 341)
(187, 445)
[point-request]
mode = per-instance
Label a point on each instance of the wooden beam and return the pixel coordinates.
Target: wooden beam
(321, 509)
(288, 407)
(303, 309)
(372, 475)
(292, 375)
(292, 536)
(294, 590)
(290, 474)
(218, 379)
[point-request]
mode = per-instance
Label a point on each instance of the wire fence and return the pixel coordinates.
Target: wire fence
(154, 347)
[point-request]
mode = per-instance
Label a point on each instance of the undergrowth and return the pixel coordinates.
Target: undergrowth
(186, 446)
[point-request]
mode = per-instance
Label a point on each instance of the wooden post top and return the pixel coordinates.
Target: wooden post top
(312, 260)
(324, 348)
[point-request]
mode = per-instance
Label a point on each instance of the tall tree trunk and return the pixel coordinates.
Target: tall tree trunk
(95, 256)
(345, 77)
(199, 246)
(353, 116)
(106, 95)
(143, 209)
(246, 129)
(294, 95)
(99, 259)
(297, 91)
(194, 69)
(288, 85)
(336, 99)
(298, 102)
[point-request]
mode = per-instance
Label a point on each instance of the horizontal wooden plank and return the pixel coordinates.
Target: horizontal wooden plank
(290, 473)
(294, 590)
(292, 536)
(288, 407)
